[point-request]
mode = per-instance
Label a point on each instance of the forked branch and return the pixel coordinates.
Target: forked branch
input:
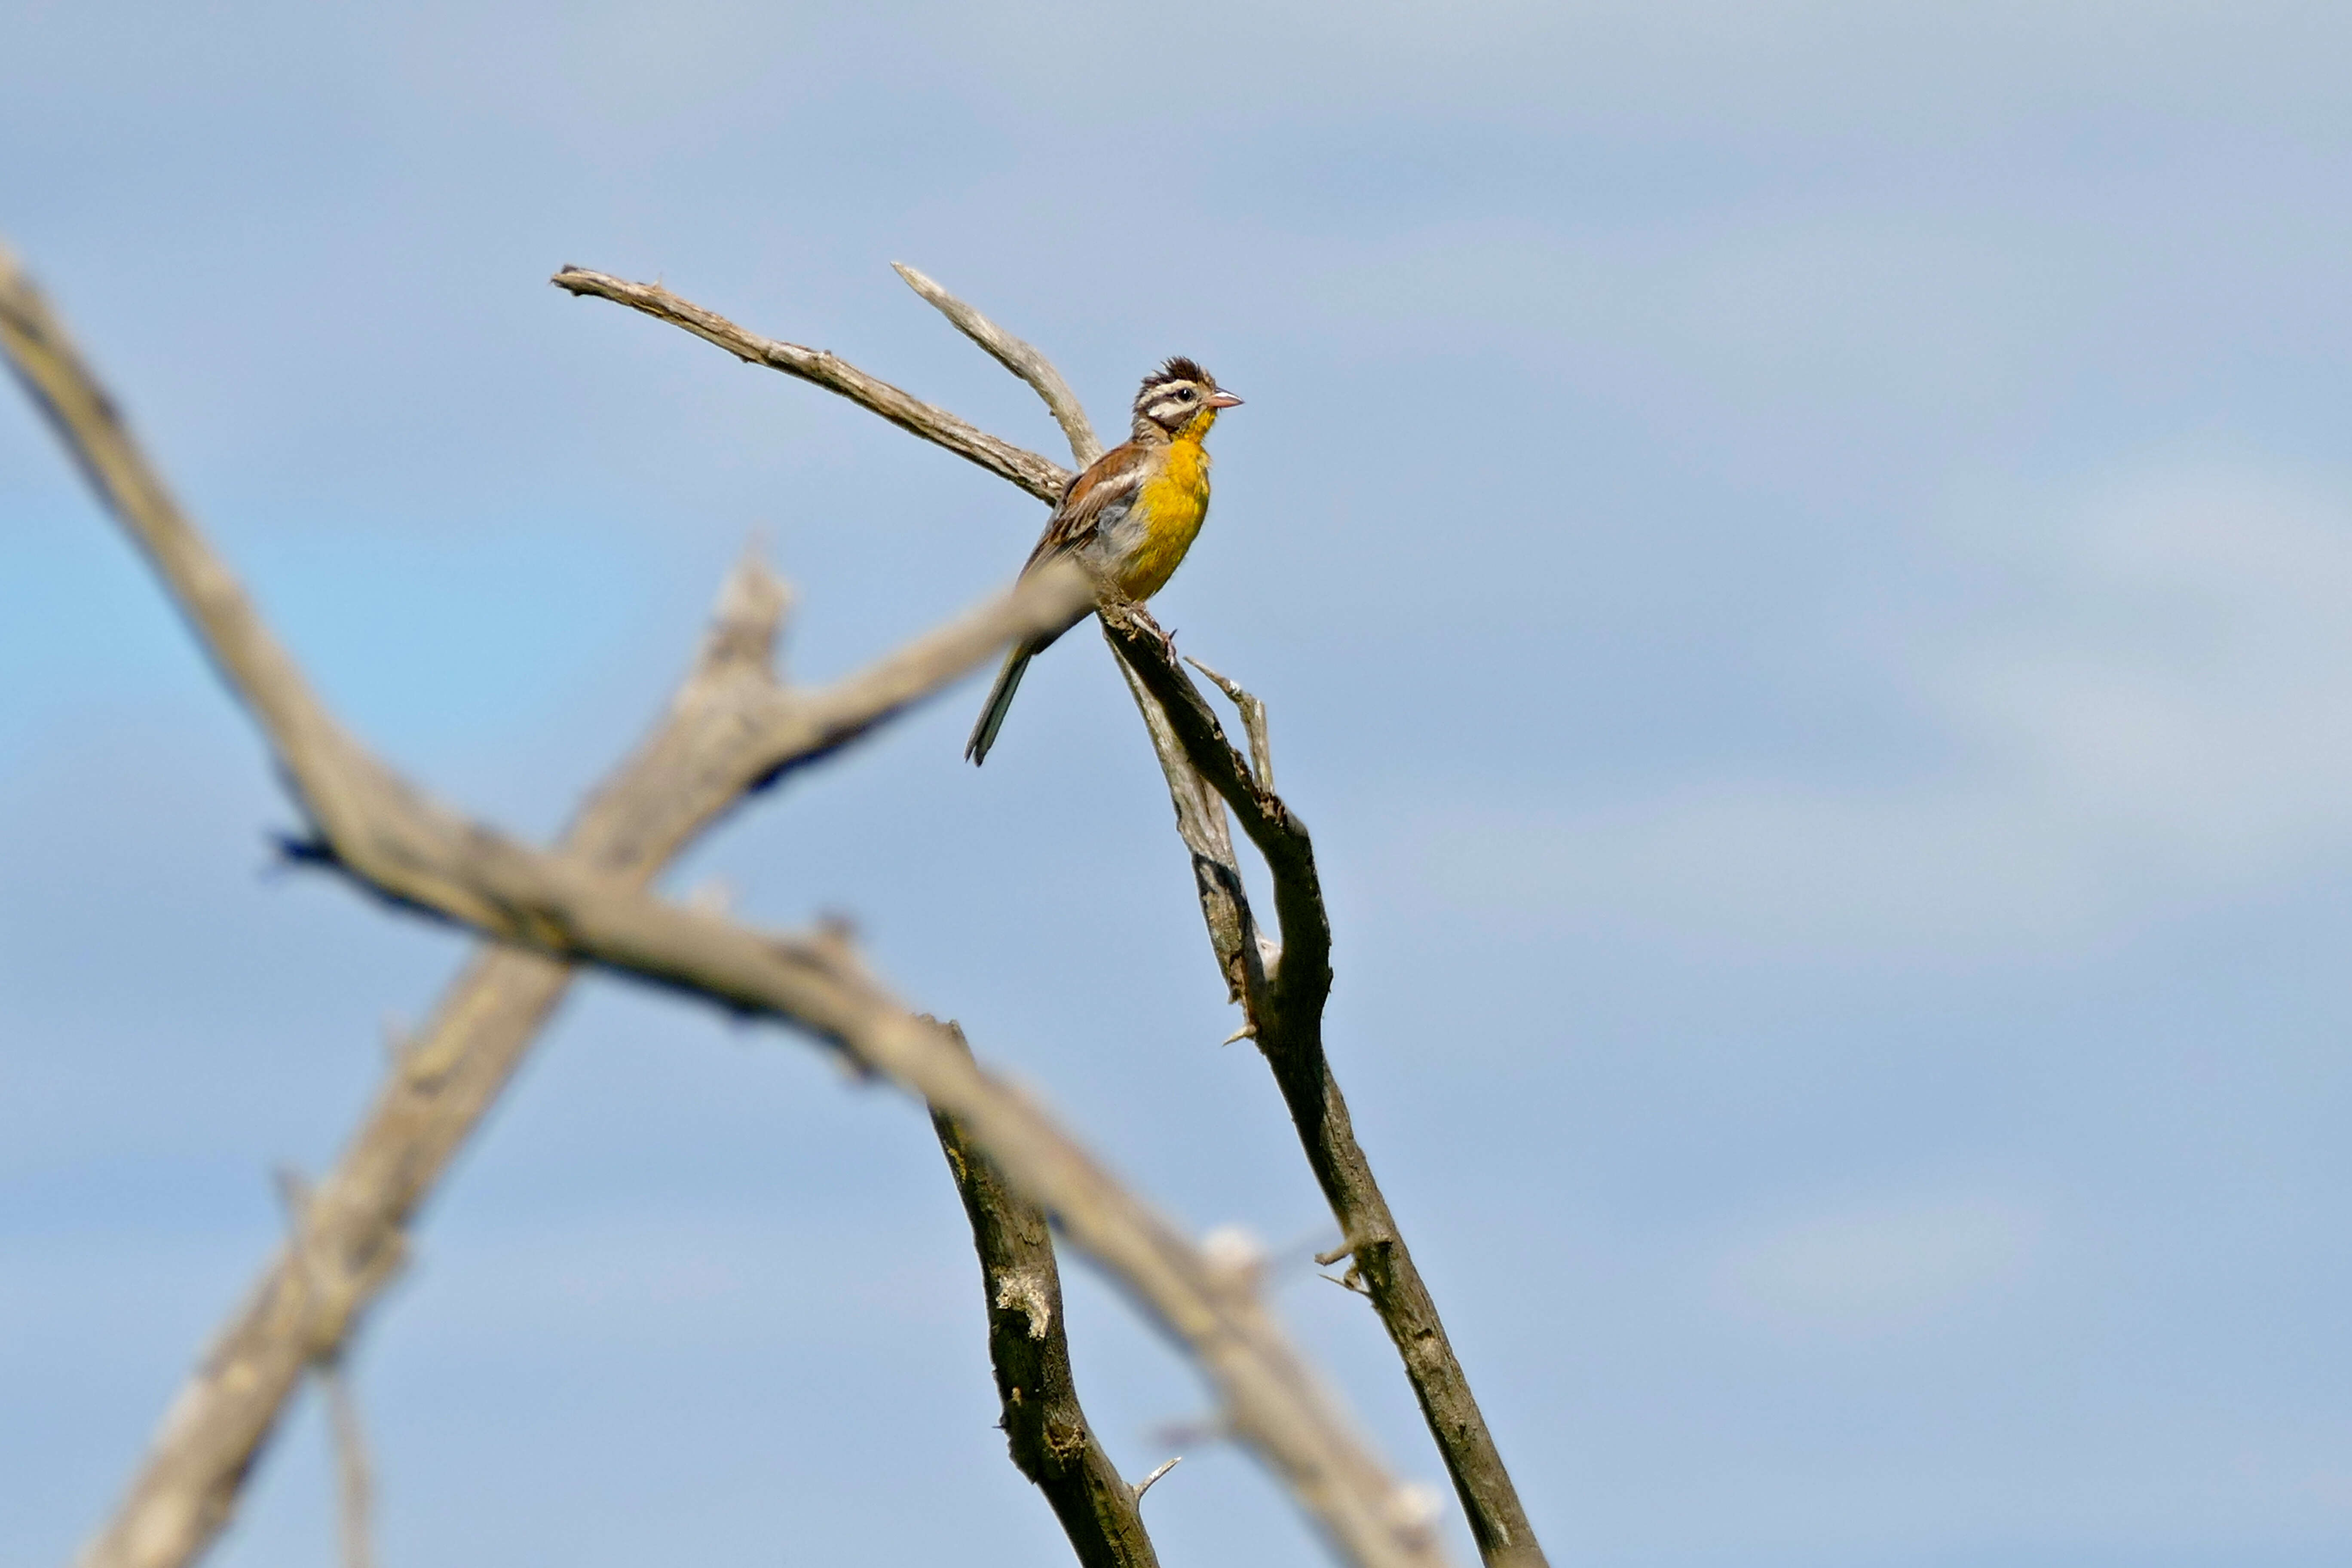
(1019, 358)
(1281, 987)
(1300, 980)
(1284, 1009)
(1253, 713)
(392, 841)
(1040, 477)
(730, 726)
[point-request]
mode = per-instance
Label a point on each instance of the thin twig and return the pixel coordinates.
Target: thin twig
(354, 1478)
(1146, 1484)
(1298, 984)
(1244, 955)
(1041, 478)
(1253, 713)
(1020, 359)
(378, 830)
(355, 1487)
(1046, 1427)
(1282, 990)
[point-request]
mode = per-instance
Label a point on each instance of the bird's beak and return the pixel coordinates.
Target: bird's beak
(1224, 400)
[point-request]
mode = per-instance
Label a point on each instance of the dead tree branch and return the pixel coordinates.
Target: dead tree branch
(1043, 480)
(1299, 979)
(389, 838)
(1045, 1425)
(1282, 988)
(1158, 1471)
(354, 1477)
(1020, 359)
(1253, 713)
(731, 727)
(1246, 955)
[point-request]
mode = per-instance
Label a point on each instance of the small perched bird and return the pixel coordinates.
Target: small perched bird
(1130, 518)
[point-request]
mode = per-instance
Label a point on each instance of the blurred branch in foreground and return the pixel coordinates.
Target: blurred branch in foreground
(386, 837)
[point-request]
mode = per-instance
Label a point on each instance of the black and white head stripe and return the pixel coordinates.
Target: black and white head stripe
(1175, 392)
(1180, 369)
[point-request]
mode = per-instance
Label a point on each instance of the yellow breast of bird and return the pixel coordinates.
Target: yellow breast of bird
(1174, 502)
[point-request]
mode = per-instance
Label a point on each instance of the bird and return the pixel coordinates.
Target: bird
(1129, 519)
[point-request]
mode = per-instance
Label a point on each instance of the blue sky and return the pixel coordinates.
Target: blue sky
(1798, 555)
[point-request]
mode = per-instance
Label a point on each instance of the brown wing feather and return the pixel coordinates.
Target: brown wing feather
(1106, 489)
(1106, 486)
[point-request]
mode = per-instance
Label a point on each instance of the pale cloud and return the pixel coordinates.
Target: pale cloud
(2163, 719)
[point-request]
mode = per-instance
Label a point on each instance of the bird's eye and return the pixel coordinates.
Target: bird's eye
(1186, 394)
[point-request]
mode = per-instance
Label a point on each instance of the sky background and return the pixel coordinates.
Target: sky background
(1800, 555)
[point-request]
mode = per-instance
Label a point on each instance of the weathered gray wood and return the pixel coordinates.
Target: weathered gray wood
(1283, 1005)
(1043, 480)
(1019, 358)
(387, 838)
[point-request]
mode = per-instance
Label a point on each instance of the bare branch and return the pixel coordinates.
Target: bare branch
(1302, 980)
(1284, 1012)
(808, 725)
(730, 729)
(1283, 992)
(354, 1482)
(1245, 956)
(1253, 713)
(385, 835)
(1045, 1425)
(1146, 1484)
(355, 1487)
(1020, 359)
(1038, 476)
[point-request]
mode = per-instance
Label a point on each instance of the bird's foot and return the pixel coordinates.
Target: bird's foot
(1167, 639)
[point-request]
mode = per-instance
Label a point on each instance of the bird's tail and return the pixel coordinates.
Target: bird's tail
(1000, 698)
